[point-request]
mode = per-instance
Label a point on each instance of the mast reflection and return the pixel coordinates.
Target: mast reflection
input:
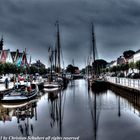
(95, 109)
(57, 101)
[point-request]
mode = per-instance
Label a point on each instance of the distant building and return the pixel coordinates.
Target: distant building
(111, 64)
(130, 60)
(38, 64)
(19, 58)
(121, 60)
(77, 71)
(5, 56)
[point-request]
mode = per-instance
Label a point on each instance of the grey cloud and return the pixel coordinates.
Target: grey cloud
(30, 24)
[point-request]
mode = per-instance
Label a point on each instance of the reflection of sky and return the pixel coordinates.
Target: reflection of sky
(77, 120)
(30, 24)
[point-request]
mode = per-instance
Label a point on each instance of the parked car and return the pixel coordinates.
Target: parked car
(128, 75)
(133, 75)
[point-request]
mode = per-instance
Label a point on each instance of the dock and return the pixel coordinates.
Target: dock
(3, 89)
(2, 86)
(130, 85)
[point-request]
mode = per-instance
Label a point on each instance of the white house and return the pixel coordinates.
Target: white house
(5, 56)
(136, 56)
(111, 64)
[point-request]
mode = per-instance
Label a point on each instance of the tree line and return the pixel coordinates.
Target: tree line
(124, 67)
(6, 68)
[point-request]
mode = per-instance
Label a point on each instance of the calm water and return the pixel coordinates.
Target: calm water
(74, 112)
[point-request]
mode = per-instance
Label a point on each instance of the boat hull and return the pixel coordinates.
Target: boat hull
(51, 87)
(13, 99)
(15, 96)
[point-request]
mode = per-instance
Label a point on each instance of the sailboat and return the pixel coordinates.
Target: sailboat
(54, 81)
(90, 80)
(94, 80)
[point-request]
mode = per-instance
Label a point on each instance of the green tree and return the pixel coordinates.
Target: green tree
(138, 65)
(33, 70)
(124, 67)
(132, 65)
(70, 69)
(127, 54)
(1, 68)
(98, 65)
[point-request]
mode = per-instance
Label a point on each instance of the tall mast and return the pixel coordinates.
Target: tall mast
(93, 42)
(1, 43)
(58, 47)
(93, 49)
(55, 59)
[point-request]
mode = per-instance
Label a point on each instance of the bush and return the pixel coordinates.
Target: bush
(138, 65)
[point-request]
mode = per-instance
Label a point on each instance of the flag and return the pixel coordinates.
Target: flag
(16, 56)
(24, 59)
(19, 60)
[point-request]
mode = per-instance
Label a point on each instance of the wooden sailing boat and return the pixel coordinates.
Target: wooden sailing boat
(93, 74)
(54, 81)
(95, 81)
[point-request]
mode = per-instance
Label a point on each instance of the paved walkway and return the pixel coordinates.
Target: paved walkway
(2, 86)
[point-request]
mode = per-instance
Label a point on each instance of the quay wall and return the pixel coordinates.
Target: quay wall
(124, 88)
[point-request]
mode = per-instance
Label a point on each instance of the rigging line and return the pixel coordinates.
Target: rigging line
(62, 57)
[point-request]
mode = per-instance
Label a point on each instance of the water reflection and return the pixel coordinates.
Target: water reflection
(76, 111)
(55, 109)
(23, 112)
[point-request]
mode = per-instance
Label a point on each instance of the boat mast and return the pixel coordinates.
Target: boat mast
(58, 48)
(93, 48)
(55, 59)
(93, 42)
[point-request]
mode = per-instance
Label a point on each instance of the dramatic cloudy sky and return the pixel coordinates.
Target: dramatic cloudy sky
(30, 24)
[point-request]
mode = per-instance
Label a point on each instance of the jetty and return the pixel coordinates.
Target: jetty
(131, 85)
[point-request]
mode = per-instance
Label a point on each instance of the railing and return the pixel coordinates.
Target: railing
(133, 83)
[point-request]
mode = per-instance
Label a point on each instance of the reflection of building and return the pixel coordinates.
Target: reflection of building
(23, 112)
(5, 114)
(27, 111)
